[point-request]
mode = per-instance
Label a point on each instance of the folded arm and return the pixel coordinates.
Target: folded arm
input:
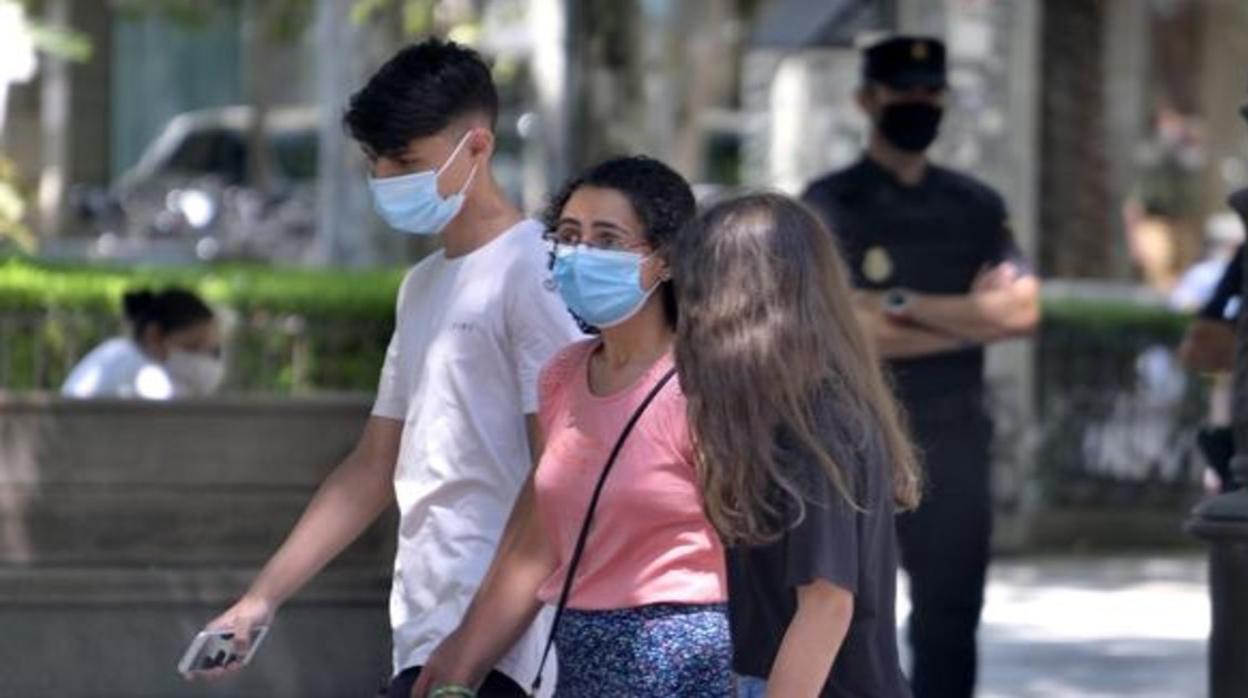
(895, 339)
(983, 316)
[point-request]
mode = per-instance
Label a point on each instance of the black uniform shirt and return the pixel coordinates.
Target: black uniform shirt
(934, 237)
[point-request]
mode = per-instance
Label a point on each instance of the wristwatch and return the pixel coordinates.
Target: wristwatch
(896, 300)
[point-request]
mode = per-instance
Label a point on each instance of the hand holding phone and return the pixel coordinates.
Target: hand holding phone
(216, 649)
(237, 633)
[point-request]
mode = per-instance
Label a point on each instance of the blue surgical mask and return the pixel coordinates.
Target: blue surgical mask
(602, 287)
(411, 203)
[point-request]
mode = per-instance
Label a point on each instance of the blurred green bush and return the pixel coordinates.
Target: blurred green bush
(299, 330)
(293, 330)
(1094, 344)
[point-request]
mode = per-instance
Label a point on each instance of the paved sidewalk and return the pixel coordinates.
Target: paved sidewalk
(1092, 627)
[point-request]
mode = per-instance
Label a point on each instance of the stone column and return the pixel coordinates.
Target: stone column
(1127, 34)
(346, 228)
(548, 160)
(54, 127)
(803, 121)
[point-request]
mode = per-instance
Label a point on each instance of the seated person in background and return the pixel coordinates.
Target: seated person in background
(1209, 347)
(173, 351)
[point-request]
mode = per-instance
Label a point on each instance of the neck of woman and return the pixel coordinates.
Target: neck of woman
(641, 339)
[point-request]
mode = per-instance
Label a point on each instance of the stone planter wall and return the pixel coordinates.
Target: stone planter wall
(124, 526)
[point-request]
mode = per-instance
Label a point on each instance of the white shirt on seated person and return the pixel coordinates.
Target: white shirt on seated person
(119, 369)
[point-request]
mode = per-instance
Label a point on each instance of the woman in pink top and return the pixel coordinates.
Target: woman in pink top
(645, 612)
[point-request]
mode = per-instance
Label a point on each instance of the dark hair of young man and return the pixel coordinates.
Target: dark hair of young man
(418, 93)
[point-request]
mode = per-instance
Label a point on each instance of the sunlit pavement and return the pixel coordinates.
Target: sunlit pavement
(1090, 627)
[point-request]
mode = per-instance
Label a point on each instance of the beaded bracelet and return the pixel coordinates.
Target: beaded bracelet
(451, 690)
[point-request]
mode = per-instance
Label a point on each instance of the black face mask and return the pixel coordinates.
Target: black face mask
(911, 126)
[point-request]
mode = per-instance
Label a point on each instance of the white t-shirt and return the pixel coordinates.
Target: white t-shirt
(118, 368)
(471, 336)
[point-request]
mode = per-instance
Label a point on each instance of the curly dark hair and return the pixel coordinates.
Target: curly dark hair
(661, 198)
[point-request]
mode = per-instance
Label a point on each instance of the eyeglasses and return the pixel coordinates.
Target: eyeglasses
(566, 239)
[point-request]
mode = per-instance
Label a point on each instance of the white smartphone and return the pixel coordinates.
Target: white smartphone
(212, 649)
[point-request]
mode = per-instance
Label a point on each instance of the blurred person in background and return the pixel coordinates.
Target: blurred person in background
(1224, 234)
(1158, 216)
(939, 277)
(1208, 347)
(173, 351)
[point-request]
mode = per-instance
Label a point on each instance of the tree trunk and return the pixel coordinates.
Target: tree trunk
(54, 127)
(1077, 213)
(4, 107)
(556, 78)
(259, 35)
(347, 230)
(701, 67)
(609, 107)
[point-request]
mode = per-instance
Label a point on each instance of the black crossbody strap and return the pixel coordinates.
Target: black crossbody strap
(589, 518)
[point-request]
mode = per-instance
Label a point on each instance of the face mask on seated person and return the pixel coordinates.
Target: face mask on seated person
(195, 373)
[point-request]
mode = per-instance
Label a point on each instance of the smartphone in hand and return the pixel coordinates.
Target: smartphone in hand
(214, 649)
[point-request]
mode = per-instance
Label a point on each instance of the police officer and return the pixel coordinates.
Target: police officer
(939, 277)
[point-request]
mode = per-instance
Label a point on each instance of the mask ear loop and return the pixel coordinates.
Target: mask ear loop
(664, 275)
(471, 173)
(549, 282)
(468, 182)
(551, 256)
(458, 147)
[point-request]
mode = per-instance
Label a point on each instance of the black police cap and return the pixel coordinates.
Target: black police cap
(905, 62)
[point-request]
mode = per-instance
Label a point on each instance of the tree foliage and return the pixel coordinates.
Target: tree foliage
(13, 209)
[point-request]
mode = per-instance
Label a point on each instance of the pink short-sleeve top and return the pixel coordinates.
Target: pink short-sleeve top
(650, 541)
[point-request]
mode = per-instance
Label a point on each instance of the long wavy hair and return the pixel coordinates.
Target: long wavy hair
(767, 333)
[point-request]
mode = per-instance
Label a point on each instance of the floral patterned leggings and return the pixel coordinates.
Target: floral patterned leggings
(659, 651)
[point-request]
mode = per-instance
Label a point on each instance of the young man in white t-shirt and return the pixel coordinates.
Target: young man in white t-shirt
(452, 435)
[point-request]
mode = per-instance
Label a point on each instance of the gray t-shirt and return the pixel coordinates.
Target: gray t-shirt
(853, 549)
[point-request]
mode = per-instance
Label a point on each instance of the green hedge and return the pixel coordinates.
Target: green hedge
(304, 329)
(1093, 344)
(1107, 316)
(296, 329)
(30, 285)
